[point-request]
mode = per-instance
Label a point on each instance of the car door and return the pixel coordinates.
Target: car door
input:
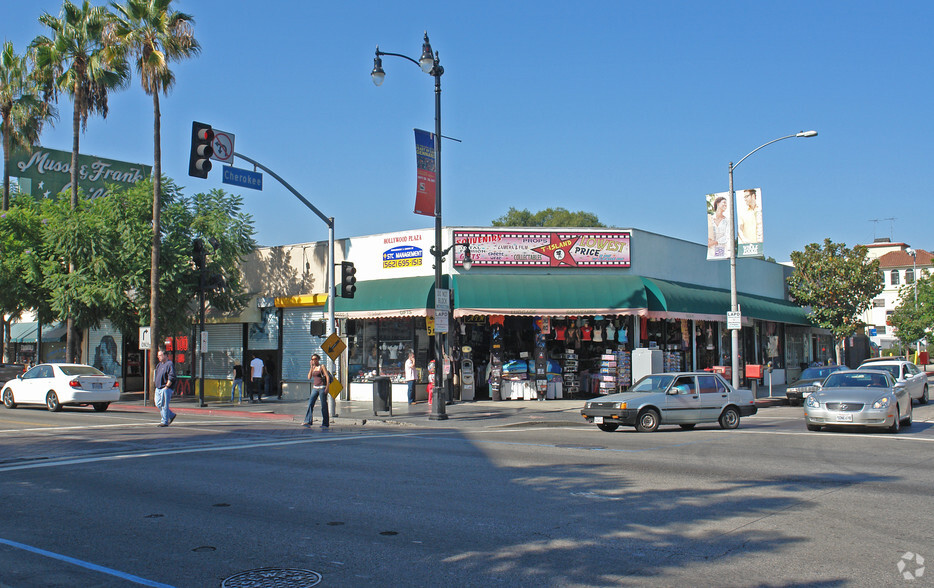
(682, 403)
(918, 380)
(713, 397)
(28, 391)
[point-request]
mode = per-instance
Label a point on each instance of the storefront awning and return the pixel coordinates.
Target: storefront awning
(548, 295)
(397, 297)
(677, 300)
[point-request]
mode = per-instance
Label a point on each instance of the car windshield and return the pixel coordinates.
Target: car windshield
(851, 380)
(649, 383)
(80, 370)
(892, 369)
(817, 373)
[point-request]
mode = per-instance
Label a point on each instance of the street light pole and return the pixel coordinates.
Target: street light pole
(914, 279)
(430, 64)
(734, 304)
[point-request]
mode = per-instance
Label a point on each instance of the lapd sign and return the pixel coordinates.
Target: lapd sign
(734, 320)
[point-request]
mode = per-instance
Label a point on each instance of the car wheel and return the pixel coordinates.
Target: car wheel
(813, 427)
(897, 423)
(8, 399)
(688, 426)
(730, 418)
(647, 421)
(608, 427)
(100, 406)
(924, 396)
(51, 402)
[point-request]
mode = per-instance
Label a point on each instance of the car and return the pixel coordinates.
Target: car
(62, 384)
(862, 397)
(809, 381)
(8, 371)
(681, 398)
(905, 373)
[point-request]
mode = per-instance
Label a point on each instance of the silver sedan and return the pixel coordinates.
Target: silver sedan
(867, 398)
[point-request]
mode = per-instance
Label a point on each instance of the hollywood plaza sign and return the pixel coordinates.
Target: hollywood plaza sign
(47, 172)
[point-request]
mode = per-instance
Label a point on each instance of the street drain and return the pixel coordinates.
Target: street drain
(204, 548)
(273, 578)
(220, 504)
(335, 523)
(153, 516)
(388, 532)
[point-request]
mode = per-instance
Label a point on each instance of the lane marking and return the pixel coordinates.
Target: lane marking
(85, 564)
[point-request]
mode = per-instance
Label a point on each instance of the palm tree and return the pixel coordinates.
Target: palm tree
(156, 35)
(77, 60)
(23, 114)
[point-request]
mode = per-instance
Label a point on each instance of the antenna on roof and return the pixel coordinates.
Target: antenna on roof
(874, 221)
(891, 227)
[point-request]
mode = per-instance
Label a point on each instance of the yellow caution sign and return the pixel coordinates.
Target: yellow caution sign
(333, 346)
(335, 388)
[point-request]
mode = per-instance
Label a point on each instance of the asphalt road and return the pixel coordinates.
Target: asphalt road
(111, 500)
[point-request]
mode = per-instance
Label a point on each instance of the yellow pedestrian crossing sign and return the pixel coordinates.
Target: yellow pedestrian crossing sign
(335, 388)
(333, 346)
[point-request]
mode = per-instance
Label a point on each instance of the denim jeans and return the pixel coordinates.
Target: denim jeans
(237, 390)
(163, 395)
(411, 384)
(317, 391)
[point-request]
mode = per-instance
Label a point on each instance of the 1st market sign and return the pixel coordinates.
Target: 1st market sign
(45, 173)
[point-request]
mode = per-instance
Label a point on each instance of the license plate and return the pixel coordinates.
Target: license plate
(95, 385)
(844, 418)
(598, 420)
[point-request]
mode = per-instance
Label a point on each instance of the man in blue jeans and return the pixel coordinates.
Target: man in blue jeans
(410, 375)
(164, 383)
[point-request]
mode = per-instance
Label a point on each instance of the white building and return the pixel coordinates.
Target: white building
(898, 267)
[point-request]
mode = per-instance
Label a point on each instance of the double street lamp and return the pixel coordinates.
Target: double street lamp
(914, 279)
(734, 305)
(429, 63)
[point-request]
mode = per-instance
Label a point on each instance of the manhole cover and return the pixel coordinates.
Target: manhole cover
(273, 578)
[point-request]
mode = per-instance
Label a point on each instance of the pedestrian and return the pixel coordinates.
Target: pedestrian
(165, 383)
(320, 379)
(431, 382)
(410, 375)
(237, 388)
(257, 383)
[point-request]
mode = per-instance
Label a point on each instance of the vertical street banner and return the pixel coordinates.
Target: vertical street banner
(719, 226)
(749, 227)
(425, 158)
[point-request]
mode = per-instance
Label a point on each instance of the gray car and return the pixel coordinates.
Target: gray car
(683, 398)
(809, 381)
(864, 397)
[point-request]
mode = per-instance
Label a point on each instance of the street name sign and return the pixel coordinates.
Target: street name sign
(243, 178)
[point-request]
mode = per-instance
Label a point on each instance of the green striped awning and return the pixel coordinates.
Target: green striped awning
(677, 300)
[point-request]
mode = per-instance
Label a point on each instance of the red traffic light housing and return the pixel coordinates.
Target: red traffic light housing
(202, 139)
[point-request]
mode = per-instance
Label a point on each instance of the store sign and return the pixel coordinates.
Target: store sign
(402, 256)
(45, 173)
(545, 249)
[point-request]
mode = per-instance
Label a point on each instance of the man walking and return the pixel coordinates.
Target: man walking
(257, 371)
(410, 375)
(165, 383)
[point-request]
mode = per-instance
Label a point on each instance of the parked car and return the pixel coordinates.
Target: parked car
(61, 384)
(8, 371)
(905, 373)
(684, 398)
(809, 381)
(863, 397)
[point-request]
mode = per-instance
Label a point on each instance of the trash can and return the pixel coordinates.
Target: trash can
(382, 395)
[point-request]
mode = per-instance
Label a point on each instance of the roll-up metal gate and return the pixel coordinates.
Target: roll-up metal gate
(298, 344)
(225, 349)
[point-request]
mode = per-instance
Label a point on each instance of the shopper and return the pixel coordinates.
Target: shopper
(320, 379)
(164, 384)
(257, 383)
(410, 375)
(237, 388)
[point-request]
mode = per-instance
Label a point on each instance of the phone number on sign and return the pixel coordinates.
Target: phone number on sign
(387, 263)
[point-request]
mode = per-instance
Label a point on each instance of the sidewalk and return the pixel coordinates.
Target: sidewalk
(487, 413)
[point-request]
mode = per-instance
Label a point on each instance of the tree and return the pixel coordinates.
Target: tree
(23, 113)
(20, 230)
(156, 36)
(837, 282)
(77, 60)
(911, 318)
(550, 217)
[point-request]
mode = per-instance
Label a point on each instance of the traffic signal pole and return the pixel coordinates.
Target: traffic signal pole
(329, 221)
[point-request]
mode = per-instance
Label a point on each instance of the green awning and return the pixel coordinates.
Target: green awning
(389, 298)
(678, 300)
(548, 295)
(23, 332)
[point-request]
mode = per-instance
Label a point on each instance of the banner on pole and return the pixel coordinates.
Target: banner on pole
(718, 225)
(425, 158)
(749, 219)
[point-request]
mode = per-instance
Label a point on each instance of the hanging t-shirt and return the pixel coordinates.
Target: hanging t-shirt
(610, 332)
(559, 333)
(586, 333)
(597, 334)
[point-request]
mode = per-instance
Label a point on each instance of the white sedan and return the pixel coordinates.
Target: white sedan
(59, 384)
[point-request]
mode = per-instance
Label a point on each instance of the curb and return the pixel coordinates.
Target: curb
(206, 411)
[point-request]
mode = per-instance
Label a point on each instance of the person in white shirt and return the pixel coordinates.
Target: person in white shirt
(410, 375)
(257, 370)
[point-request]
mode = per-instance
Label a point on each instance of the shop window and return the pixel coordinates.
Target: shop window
(379, 347)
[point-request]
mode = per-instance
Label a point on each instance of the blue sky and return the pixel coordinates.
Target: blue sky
(630, 110)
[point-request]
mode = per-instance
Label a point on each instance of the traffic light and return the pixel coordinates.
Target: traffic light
(348, 279)
(202, 138)
(198, 253)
